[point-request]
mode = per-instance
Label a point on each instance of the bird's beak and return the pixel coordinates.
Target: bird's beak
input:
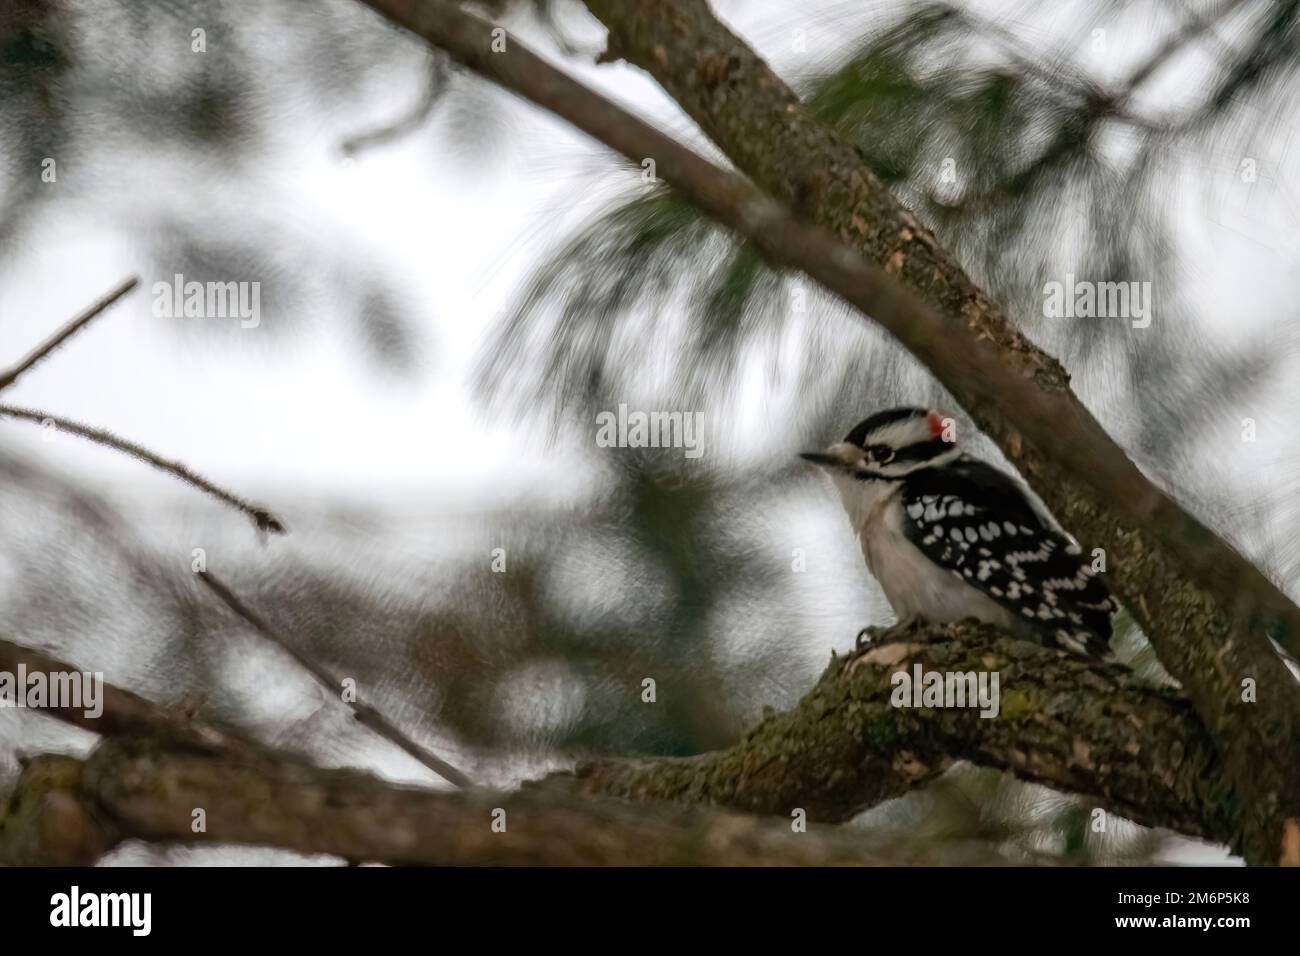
(821, 458)
(838, 457)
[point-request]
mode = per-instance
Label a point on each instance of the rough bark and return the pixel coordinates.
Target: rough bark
(1065, 722)
(67, 812)
(45, 821)
(123, 711)
(1205, 608)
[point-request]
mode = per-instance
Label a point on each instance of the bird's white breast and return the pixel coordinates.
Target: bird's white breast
(914, 585)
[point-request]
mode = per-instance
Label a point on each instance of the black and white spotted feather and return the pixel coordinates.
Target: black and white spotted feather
(950, 537)
(974, 520)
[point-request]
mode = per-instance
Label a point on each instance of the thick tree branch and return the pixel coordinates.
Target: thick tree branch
(355, 816)
(1206, 609)
(68, 812)
(1065, 722)
(45, 822)
(122, 711)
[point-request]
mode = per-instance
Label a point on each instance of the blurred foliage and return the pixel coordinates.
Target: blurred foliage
(670, 570)
(1038, 193)
(1054, 173)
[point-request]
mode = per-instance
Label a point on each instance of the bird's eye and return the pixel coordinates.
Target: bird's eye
(882, 454)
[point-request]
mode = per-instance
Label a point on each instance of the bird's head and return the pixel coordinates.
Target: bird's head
(891, 444)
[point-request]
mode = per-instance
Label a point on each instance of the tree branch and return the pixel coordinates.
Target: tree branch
(151, 793)
(1206, 609)
(67, 332)
(69, 812)
(1065, 722)
(365, 715)
(45, 822)
(261, 517)
(122, 711)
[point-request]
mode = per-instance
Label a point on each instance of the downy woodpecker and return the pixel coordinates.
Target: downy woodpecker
(951, 537)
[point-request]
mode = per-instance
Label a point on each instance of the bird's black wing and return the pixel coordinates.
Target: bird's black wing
(976, 521)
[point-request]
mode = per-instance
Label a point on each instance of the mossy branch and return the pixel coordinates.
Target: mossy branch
(1064, 721)
(69, 812)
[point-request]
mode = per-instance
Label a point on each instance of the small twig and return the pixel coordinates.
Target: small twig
(1192, 30)
(67, 332)
(264, 520)
(364, 713)
(434, 87)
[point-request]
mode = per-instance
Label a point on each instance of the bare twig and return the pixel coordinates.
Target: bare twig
(263, 518)
(1191, 31)
(1094, 105)
(365, 714)
(67, 332)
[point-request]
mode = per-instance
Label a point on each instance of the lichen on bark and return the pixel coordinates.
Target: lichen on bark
(1065, 722)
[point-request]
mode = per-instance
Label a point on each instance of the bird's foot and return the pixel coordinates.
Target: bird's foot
(866, 637)
(870, 637)
(906, 627)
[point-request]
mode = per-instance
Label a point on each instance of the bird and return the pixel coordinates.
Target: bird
(950, 537)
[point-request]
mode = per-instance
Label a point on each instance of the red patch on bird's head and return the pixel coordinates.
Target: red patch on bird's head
(937, 422)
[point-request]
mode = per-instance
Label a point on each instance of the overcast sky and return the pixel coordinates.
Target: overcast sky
(452, 239)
